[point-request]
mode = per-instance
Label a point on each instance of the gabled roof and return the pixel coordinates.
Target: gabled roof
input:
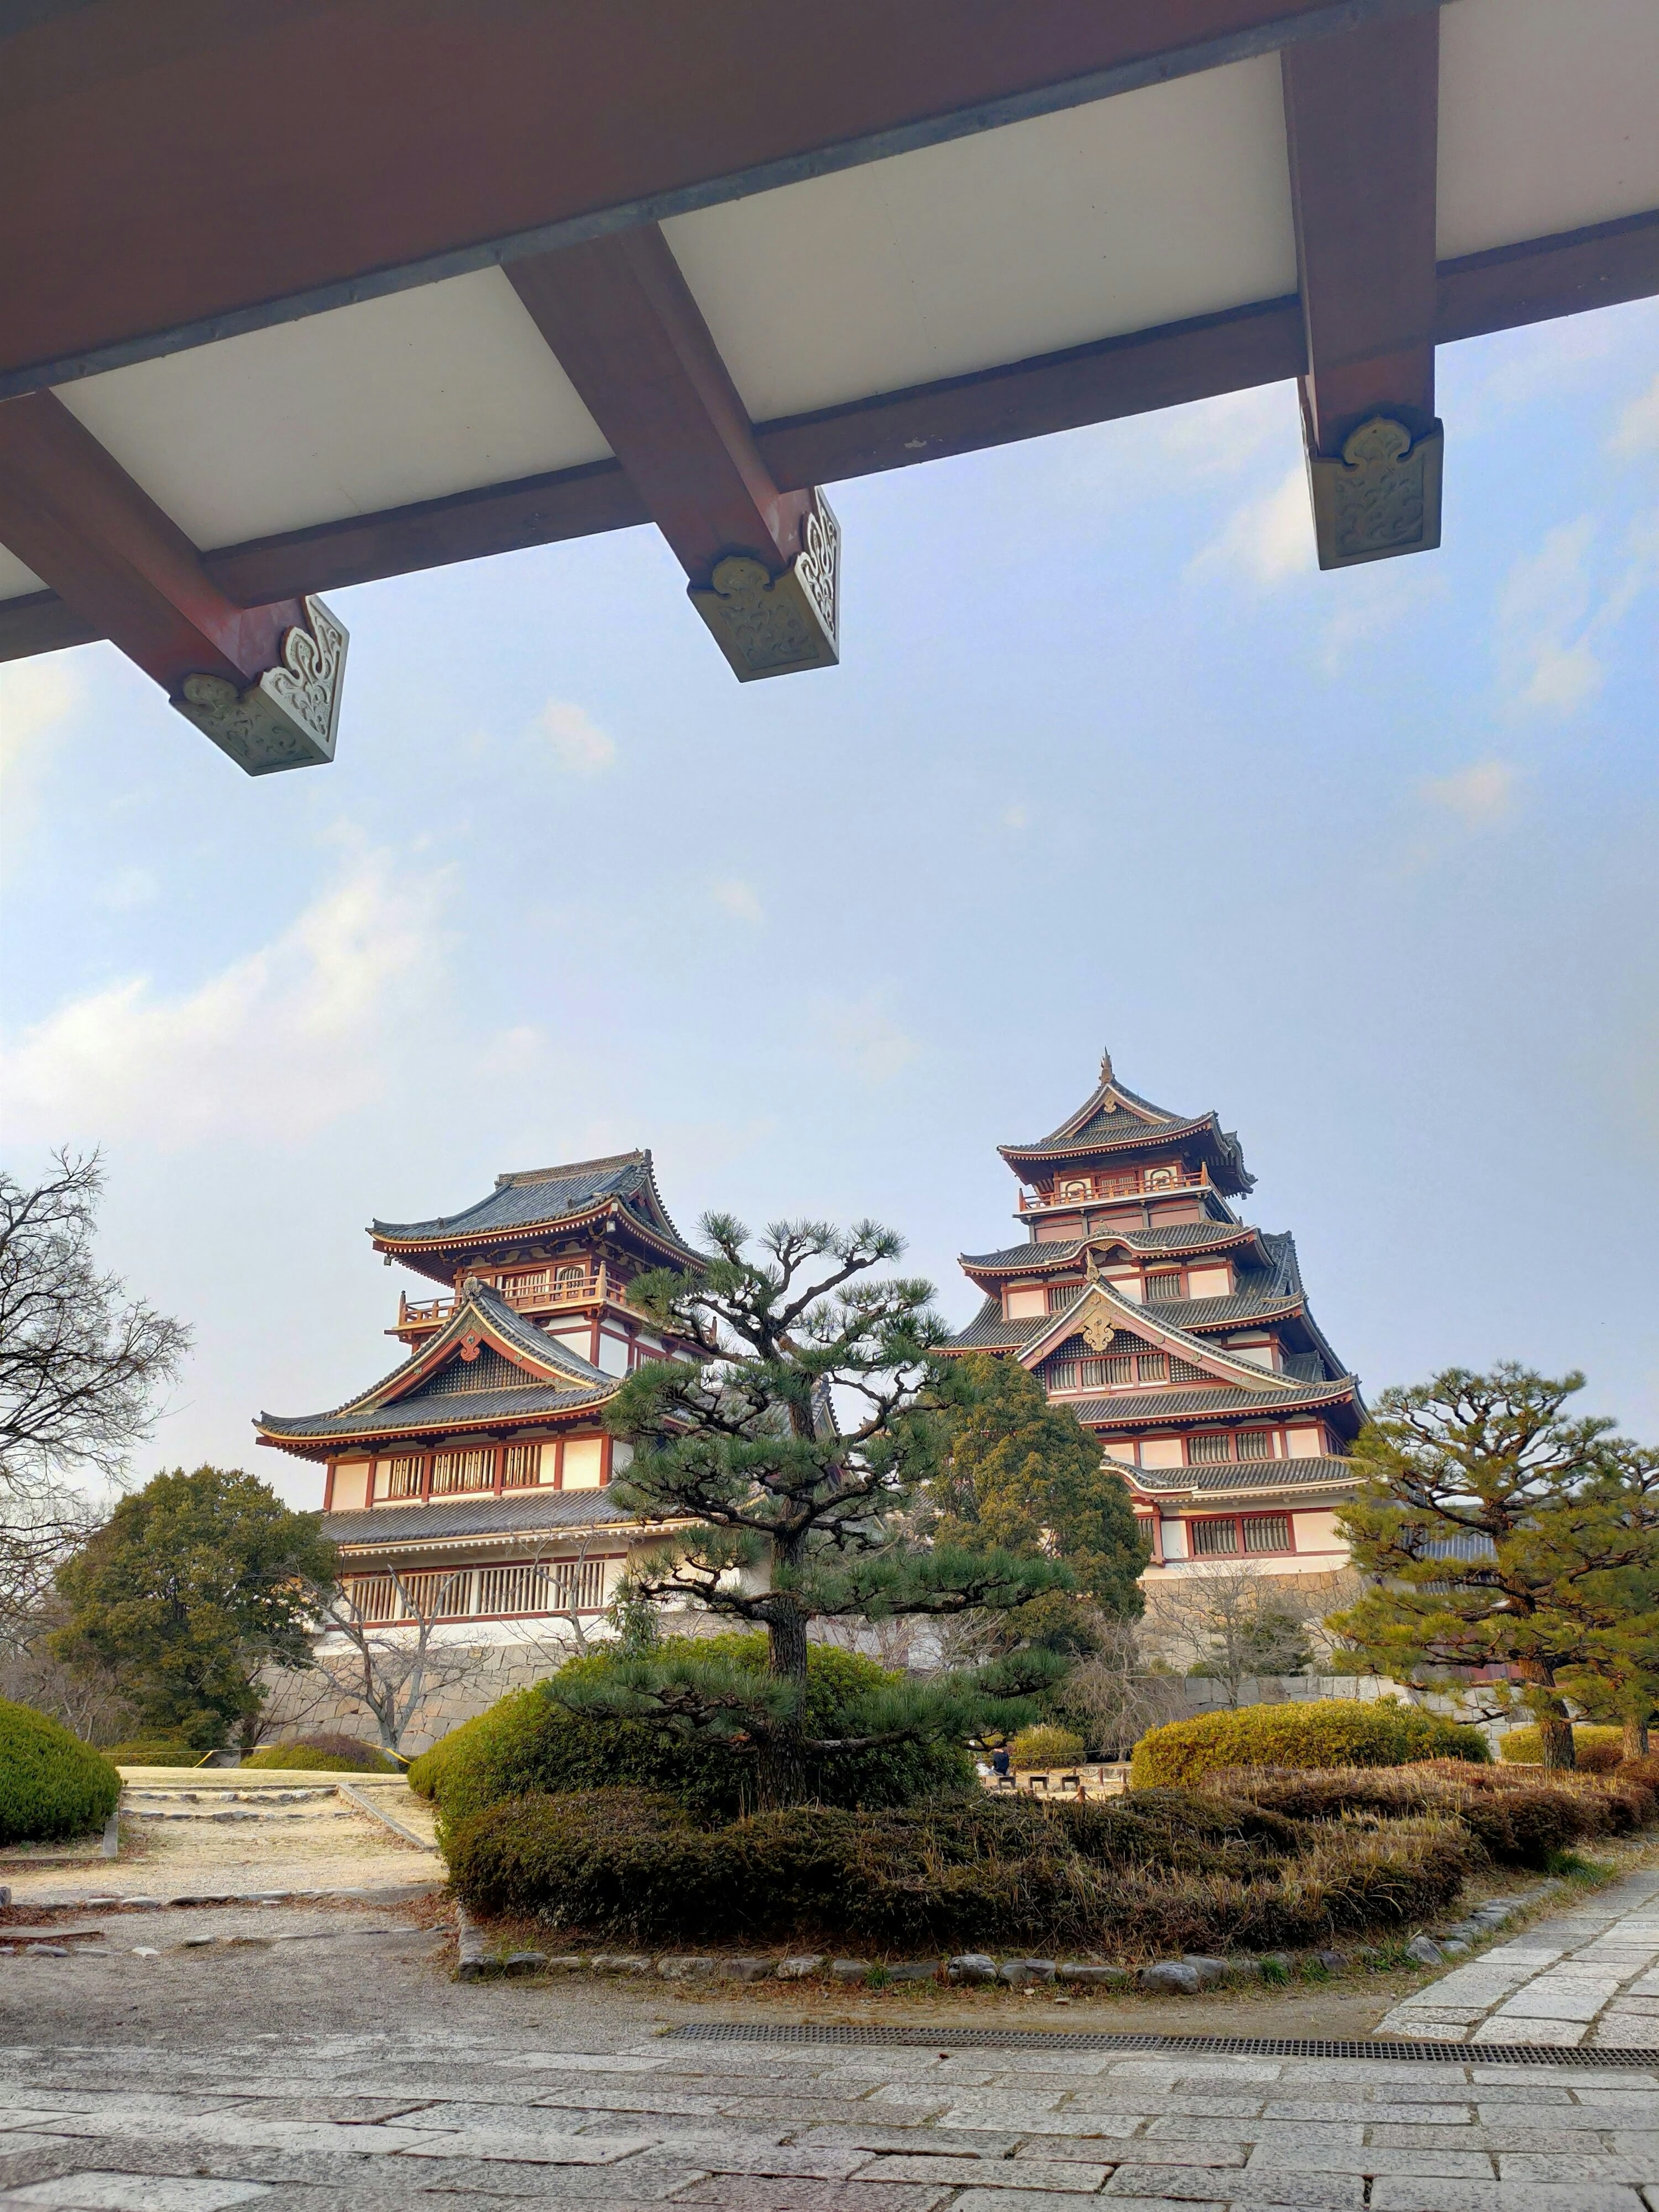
(1114, 1120)
(539, 1200)
(1099, 1302)
(1139, 1409)
(555, 1380)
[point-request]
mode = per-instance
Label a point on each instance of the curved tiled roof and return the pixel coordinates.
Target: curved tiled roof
(539, 1198)
(1044, 1258)
(452, 1416)
(1219, 1313)
(1130, 1408)
(534, 1511)
(1240, 1475)
(1114, 1117)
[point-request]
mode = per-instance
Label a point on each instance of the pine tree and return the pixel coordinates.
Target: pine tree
(1500, 1534)
(785, 1465)
(1022, 1476)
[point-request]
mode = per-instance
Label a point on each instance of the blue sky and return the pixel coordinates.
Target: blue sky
(1366, 861)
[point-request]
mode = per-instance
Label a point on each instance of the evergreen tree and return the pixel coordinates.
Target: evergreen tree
(193, 1585)
(1022, 1476)
(786, 1464)
(1500, 1533)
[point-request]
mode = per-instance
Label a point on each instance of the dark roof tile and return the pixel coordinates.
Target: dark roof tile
(533, 1510)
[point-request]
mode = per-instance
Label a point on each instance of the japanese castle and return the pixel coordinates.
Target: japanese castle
(471, 1484)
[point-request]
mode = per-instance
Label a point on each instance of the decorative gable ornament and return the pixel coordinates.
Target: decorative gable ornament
(769, 625)
(1097, 1331)
(471, 1345)
(1382, 497)
(291, 716)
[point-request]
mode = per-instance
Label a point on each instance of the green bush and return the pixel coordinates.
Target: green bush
(529, 1743)
(1325, 1732)
(326, 1754)
(1046, 1747)
(1160, 1870)
(1597, 1750)
(51, 1784)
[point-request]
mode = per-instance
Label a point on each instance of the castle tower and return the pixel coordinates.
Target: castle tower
(1177, 1332)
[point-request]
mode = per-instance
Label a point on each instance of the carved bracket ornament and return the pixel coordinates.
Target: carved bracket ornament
(288, 718)
(769, 625)
(1381, 498)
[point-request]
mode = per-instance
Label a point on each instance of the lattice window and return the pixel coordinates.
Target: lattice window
(372, 1597)
(488, 1371)
(1255, 1443)
(404, 1477)
(1210, 1447)
(535, 1285)
(1164, 1283)
(1183, 1371)
(542, 1586)
(474, 1470)
(521, 1466)
(1154, 1367)
(572, 1277)
(1121, 1368)
(1213, 1539)
(437, 1593)
(1266, 1532)
(1060, 1295)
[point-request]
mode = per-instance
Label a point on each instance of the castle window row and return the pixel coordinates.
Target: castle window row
(493, 1593)
(1236, 1535)
(476, 1470)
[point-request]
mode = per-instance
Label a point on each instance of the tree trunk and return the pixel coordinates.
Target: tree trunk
(1636, 1738)
(1556, 1731)
(783, 1760)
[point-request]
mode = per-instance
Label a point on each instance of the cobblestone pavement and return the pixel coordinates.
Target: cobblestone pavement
(1590, 1976)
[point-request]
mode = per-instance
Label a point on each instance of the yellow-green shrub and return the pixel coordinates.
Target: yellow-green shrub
(326, 1754)
(1324, 1732)
(51, 1784)
(1597, 1750)
(1045, 1746)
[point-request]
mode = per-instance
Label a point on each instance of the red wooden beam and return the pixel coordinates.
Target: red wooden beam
(172, 172)
(263, 681)
(1502, 290)
(1361, 116)
(631, 338)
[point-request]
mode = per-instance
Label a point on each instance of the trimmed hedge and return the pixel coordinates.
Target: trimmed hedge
(1046, 1747)
(1597, 1750)
(1324, 1732)
(1161, 1870)
(1515, 1820)
(326, 1754)
(155, 1750)
(51, 1784)
(529, 1743)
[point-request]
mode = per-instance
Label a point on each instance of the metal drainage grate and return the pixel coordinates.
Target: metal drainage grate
(945, 2039)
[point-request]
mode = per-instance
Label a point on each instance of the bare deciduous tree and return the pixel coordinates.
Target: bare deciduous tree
(1115, 1696)
(1232, 1623)
(393, 1670)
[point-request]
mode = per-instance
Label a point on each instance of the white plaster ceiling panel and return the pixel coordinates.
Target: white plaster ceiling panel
(1116, 217)
(1549, 118)
(16, 581)
(409, 397)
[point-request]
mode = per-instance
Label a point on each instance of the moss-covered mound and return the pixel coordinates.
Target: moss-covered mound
(529, 1744)
(327, 1754)
(1324, 1732)
(1160, 1871)
(51, 1784)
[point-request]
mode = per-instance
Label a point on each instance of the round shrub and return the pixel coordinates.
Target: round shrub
(1045, 1746)
(326, 1754)
(1597, 1750)
(1324, 1732)
(51, 1784)
(529, 1744)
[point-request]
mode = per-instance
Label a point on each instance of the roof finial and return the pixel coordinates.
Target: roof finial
(1105, 1069)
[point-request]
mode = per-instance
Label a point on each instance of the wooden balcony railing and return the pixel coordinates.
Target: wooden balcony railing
(541, 1291)
(1081, 1190)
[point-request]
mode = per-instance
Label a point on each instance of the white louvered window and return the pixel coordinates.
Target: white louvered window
(402, 1478)
(1163, 1283)
(1255, 1443)
(521, 1466)
(372, 1597)
(1060, 1295)
(1210, 1447)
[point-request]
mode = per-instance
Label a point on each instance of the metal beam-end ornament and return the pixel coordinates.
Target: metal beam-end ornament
(289, 717)
(1382, 497)
(769, 625)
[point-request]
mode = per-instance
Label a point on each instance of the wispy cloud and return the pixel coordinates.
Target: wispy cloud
(127, 888)
(740, 900)
(1554, 618)
(37, 698)
(273, 1047)
(1479, 796)
(576, 739)
(1265, 541)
